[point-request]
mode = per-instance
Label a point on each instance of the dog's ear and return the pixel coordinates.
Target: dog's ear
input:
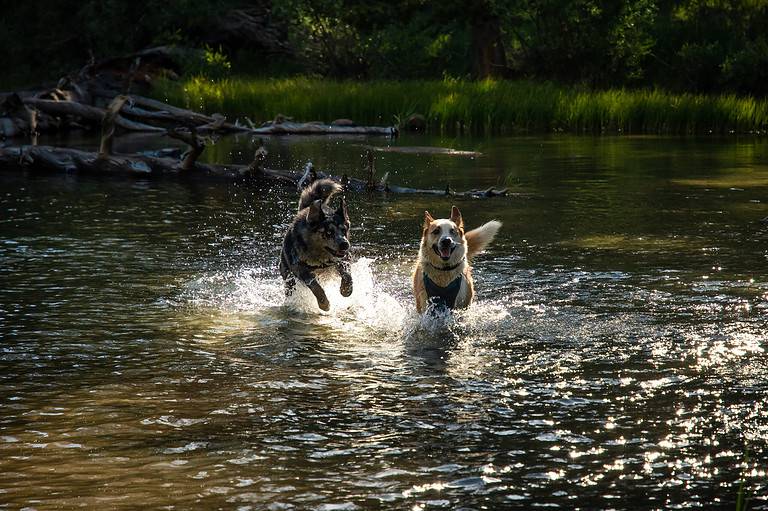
(315, 214)
(342, 211)
(427, 219)
(456, 217)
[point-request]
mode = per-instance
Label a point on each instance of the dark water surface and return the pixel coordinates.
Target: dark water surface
(615, 358)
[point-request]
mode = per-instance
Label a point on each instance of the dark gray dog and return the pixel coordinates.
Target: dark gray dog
(317, 242)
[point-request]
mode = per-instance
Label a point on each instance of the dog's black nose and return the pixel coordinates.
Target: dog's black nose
(344, 246)
(445, 242)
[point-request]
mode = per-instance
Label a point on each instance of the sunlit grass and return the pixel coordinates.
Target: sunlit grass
(746, 181)
(478, 107)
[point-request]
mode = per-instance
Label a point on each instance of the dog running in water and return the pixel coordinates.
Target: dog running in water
(317, 242)
(443, 275)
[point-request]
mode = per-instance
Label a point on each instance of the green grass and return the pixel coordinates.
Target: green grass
(477, 107)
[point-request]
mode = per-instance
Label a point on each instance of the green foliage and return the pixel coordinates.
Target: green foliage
(589, 41)
(708, 45)
(488, 106)
(679, 45)
(746, 70)
(209, 63)
(693, 45)
(417, 48)
(49, 39)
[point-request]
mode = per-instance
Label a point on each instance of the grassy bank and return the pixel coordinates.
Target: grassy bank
(480, 107)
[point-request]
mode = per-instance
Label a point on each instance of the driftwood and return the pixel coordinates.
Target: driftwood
(423, 150)
(108, 125)
(155, 112)
(139, 113)
(136, 114)
(312, 128)
(18, 119)
(81, 100)
(85, 114)
(384, 186)
(165, 164)
(98, 96)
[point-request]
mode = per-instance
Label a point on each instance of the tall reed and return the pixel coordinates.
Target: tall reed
(474, 106)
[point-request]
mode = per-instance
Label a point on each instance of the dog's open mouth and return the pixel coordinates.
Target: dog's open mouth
(444, 252)
(336, 253)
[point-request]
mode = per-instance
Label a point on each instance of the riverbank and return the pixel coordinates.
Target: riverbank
(491, 107)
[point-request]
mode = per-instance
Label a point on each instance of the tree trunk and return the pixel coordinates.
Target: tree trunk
(488, 56)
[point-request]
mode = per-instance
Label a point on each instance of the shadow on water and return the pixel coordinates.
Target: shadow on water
(614, 358)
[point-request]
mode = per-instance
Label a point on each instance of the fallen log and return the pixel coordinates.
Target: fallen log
(17, 118)
(144, 114)
(151, 111)
(91, 114)
(79, 99)
(171, 116)
(369, 185)
(57, 159)
(171, 110)
(423, 150)
(311, 128)
(150, 166)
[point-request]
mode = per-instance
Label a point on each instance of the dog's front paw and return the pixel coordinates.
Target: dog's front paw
(346, 286)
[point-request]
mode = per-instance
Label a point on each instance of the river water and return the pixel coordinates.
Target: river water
(615, 358)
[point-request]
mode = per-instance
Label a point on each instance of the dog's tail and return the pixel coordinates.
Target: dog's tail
(321, 189)
(478, 239)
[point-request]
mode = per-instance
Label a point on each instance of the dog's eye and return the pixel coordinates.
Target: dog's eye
(436, 232)
(453, 232)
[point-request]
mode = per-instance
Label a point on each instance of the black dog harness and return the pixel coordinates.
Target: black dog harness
(443, 296)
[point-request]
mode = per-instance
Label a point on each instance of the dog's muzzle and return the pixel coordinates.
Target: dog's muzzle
(341, 251)
(445, 248)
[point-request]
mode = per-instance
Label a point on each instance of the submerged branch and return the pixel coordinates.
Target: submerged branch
(159, 165)
(108, 122)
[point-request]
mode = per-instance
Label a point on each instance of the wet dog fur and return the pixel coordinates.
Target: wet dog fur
(444, 256)
(317, 242)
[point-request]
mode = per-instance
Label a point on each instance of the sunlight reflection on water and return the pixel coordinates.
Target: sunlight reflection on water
(614, 358)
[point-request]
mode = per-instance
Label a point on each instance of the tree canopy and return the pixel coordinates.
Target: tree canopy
(691, 45)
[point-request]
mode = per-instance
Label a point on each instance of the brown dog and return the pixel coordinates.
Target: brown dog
(443, 276)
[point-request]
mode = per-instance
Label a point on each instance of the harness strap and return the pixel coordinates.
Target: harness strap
(443, 296)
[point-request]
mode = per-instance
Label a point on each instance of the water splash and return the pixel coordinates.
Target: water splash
(380, 307)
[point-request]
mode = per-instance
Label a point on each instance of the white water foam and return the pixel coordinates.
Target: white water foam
(370, 303)
(381, 306)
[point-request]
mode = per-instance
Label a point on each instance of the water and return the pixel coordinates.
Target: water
(615, 357)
